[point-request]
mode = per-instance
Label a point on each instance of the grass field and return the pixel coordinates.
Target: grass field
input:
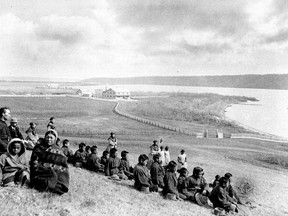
(259, 167)
(195, 112)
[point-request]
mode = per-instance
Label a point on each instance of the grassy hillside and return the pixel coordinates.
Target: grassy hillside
(191, 111)
(258, 167)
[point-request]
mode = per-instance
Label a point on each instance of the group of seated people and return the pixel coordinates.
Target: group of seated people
(48, 170)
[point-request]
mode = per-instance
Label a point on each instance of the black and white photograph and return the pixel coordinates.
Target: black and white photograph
(141, 107)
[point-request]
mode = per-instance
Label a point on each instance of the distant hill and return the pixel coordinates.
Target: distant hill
(267, 81)
(34, 79)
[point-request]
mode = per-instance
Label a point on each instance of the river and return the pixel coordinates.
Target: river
(269, 114)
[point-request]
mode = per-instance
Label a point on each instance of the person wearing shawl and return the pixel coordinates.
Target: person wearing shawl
(112, 142)
(14, 167)
(48, 166)
(32, 136)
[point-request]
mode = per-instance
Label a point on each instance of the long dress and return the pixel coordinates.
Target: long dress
(181, 161)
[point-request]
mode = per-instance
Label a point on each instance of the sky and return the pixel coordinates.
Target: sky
(72, 39)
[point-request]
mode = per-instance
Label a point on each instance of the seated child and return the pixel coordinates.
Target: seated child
(219, 197)
(80, 156)
(14, 167)
(157, 172)
(112, 167)
(183, 184)
(88, 150)
(170, 190)
(125, 167)
(216, 181)
(67, 151)
(104, 157)
(142, 175)
(93, 161)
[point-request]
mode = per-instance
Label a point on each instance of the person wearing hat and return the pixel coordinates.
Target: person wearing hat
(48, 166)
(5, 135)
(125, 167)
(157, 172)
(154, 149)
(93, 161)
(32, 136)
(142, 175)
(170, 190)
(112, 167)
(80, 156)
(112, 142)
(14, 166)
(220, 198)
(14, 129)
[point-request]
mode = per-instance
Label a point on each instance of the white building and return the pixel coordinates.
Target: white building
(116, 92)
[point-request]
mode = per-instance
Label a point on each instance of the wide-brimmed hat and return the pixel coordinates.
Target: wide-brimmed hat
(201, 199)
(14, 120)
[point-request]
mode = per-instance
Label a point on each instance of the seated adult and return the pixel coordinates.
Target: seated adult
(48, 166)
(157, 172)
(14, 167)
(112, 167)
(219, 197)
(32, 136)
(142, 175)
(93, 161)
(170, 190)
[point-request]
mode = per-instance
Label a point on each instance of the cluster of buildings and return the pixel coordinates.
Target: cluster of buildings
(114, 92)
(107, 93)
